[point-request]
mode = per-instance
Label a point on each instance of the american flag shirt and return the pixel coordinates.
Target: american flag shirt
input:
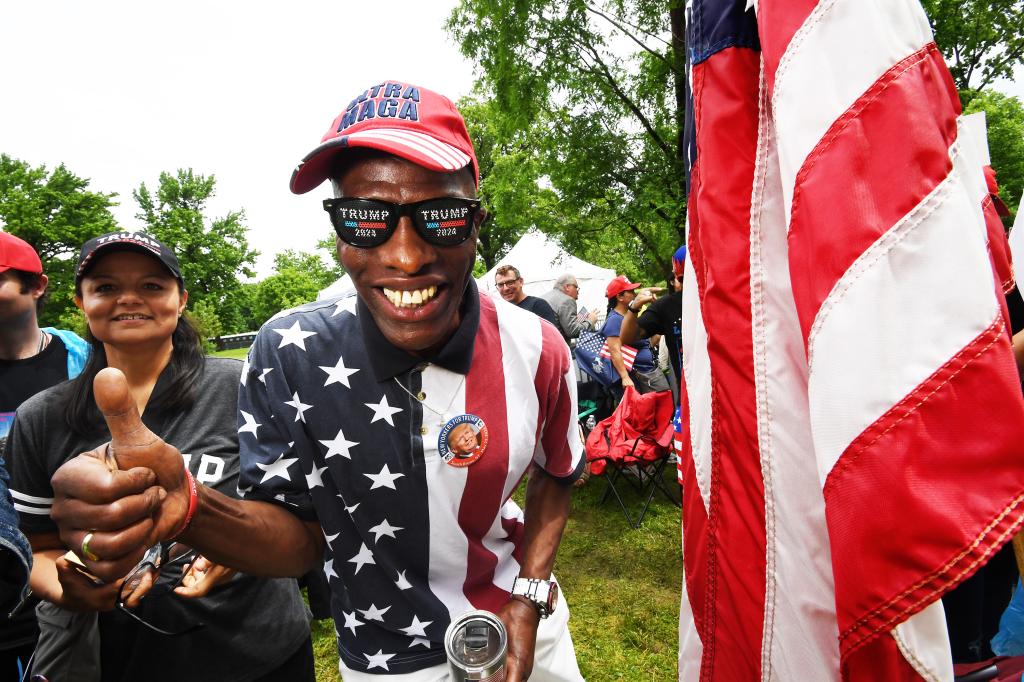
(327, 432)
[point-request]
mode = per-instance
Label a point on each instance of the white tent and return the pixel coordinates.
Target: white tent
(540, 261)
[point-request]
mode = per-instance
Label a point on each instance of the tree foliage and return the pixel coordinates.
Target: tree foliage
(588, 102)
(298, 278)
(1005, 117)
(56, 213)
(982, 40)
(213, 252)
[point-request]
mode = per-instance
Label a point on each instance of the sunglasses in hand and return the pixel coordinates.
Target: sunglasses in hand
(161, 570)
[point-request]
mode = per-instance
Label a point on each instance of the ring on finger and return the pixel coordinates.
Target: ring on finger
(86, 553)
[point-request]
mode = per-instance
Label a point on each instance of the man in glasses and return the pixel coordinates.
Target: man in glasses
(563, 299)
(509, 283)
(345, 411)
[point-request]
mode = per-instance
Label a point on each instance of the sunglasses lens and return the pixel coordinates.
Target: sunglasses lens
(361, 222)
(446, 222)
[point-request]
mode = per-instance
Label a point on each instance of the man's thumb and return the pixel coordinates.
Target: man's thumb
(127, 432)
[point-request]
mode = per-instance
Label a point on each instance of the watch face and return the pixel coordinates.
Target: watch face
(552, 597)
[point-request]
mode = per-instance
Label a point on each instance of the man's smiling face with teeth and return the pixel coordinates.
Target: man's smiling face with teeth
(412, 289)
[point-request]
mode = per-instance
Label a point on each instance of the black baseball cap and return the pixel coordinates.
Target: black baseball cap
(139, 242)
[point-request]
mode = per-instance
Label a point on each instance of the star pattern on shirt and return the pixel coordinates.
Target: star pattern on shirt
(293, 336)
(279, 468)
(344, 304)
(419, 640)
(384, 528)
(330, 538)
(250, 424)
(373, 613)
(245, 371)
(339, 374)
(385, 479)
(417, 628)
(351, 622)
(402, 583)
(365, 556)
(300, 407)
(378, 660)
(314, 479)
(383, 410)
(339, 445)
(329, 570)
(263, 375)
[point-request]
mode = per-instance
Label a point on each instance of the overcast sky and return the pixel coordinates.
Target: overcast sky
(120, 91)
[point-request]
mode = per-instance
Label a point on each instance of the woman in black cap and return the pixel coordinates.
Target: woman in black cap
(197, 621)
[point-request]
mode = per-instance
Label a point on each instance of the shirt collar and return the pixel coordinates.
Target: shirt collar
(456, 355)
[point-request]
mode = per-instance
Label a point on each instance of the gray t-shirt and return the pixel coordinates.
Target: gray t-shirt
(251, 625)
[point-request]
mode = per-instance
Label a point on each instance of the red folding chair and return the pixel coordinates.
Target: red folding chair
(633, 445)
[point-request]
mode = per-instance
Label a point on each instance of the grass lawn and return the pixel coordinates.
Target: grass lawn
(622, 586)
(239, 353)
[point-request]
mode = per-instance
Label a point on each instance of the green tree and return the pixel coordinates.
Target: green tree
(213, 252)
(207, 323)
(1005, 117)
(600, 123)
(56, 213)
(982, 40)
(298, 278)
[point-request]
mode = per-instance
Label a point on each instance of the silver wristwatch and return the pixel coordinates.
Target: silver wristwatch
(543, 594)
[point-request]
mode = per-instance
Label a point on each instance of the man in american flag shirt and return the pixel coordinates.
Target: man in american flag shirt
(347, 408)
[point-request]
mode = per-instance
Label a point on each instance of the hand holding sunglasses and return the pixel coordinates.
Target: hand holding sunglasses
(368, 223)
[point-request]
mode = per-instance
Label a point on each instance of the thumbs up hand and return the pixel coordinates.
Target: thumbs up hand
(126, 495)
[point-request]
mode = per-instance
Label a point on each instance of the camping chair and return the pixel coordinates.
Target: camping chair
(633, 446)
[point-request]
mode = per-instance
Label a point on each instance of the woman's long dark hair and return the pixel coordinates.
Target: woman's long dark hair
(186, 367)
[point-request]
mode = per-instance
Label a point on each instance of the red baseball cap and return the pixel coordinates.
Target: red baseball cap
(618, 285)
(18, 254)
(406, 120)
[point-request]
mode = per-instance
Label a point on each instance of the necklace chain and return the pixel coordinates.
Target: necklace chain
(442, 415)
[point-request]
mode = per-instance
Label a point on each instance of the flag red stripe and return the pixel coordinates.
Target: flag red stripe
(549, 384)
(784, 18)
(485, 480)
(727, 128)
(885, 173)
(960, 412)
(881, 659)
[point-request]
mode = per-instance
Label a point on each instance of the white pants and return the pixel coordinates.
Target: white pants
(554, 657)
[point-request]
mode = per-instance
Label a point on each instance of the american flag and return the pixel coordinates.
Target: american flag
(628, 354)
(855, 423)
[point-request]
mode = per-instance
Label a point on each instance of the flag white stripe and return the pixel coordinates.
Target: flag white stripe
(32, 510)
(697, 370)
(445, 484)
(691, 649)
(799, 640)
(924, 642)
(908, 304)
(30, 498)
(879, 32)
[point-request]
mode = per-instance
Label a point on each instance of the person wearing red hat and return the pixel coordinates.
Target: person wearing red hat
(635, 364)
(663, 316)
(346, 409)
(31, 360)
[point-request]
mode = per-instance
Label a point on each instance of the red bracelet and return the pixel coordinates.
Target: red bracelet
(193, 503)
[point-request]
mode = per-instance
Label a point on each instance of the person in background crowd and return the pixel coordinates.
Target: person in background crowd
(644, 375)
(563, 299)
(15, 565)
(510, 285)
(344, 404)
(216, 625)
(663, 316)
(31, 359)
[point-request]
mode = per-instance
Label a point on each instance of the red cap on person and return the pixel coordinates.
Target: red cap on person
(406, 120)
(18, 254)
(618, 285)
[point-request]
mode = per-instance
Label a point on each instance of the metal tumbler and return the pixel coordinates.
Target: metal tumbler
(476, 644)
